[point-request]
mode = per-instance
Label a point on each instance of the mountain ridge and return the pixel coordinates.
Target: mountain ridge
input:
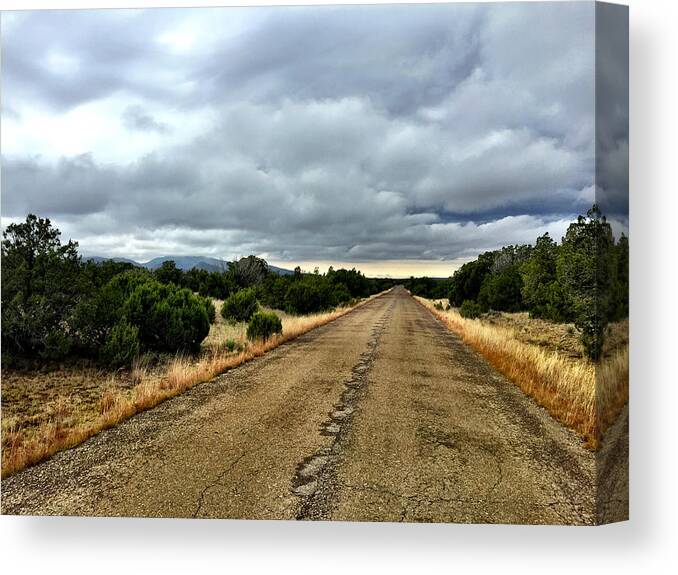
(184, 263)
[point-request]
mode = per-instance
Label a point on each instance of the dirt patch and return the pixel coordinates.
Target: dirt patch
(28, 397)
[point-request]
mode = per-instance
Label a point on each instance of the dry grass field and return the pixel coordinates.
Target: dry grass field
(44, 412)
(546, 361)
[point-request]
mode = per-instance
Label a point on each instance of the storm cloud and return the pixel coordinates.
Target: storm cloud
(334, 134)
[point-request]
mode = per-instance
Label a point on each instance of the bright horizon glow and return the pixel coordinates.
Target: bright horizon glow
(396, 269)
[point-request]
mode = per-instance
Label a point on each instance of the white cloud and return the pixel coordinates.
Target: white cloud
(307, 134)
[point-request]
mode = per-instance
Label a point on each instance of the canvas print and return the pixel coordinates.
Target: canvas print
(349, 263)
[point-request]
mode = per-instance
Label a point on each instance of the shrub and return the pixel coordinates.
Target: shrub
(313, 294)
(341, 295)
(210, 309)
(183, 321)
(231, 345)
(240, 306)
(95, 315)
(263, 325)
(470, 309)
(122, 345)
(438, 305)
(57, 345)
(169, 318)
(304, 296)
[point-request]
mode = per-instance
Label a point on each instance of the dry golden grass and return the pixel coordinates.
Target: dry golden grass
(222, 331)
(139, 371)
(612, 387)
(64, 422)
(584, 396)
(108, 400)
(560, 337)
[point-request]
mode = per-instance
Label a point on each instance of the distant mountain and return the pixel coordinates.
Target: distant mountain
(280, 271)
(185, 263)
(189, 262)
(99, 259)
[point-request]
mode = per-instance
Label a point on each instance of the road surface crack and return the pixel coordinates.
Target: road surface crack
(315, 479)
(219, 480)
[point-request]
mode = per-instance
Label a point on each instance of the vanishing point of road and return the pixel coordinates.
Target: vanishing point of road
(380, 415)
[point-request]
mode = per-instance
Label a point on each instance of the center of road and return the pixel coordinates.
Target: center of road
(315, 480)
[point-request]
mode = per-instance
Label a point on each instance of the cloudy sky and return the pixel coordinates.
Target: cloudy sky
(400, 139)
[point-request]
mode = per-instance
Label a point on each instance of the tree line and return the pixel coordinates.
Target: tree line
(295, 293)
(55, 305)
(583, 280)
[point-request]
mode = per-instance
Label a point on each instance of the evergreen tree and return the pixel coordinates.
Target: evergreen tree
(586, 270)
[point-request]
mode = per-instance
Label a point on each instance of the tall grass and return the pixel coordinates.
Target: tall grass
(584, 396)
(60, 431)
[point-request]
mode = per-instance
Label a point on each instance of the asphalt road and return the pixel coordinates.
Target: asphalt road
(381, 415)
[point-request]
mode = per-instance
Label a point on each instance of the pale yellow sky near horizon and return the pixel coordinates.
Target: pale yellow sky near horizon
(399, 269)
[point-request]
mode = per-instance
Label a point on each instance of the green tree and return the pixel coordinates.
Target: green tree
(314, 293)
(620, 303)
(356, 283)
(168, 272)
(248, 271)
(100, 310)
(195, 279)
(541, 292)
(586, 270)
(502, 291)
(468, 279)
(271, 292)
(40, 287)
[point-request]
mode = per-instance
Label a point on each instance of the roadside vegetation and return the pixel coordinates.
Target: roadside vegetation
(582, 281)
(86, 345)
(553, 318)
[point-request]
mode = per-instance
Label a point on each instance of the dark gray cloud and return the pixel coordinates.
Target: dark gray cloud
(612, 110)
(136, 118)
(346, 133)
(400, 59)
(61, 59)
